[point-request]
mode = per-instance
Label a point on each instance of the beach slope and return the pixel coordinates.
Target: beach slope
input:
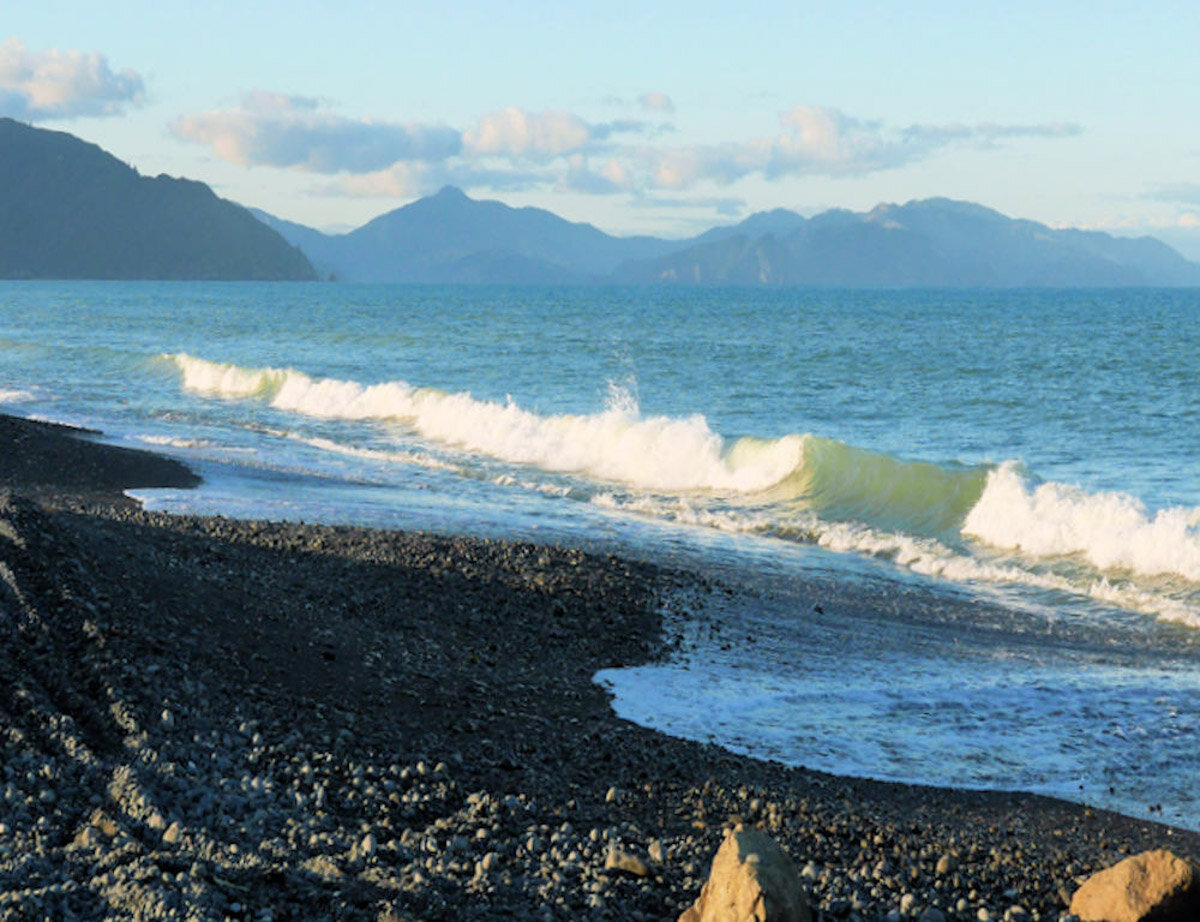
(204, 718)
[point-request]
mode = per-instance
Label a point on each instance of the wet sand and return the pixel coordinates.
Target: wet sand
(205, 718)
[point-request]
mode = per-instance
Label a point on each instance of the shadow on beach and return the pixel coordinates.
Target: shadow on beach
(203, 717)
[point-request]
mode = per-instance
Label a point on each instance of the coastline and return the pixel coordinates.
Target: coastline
(225, 718)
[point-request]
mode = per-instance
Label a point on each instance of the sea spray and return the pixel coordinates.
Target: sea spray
(1114, 531)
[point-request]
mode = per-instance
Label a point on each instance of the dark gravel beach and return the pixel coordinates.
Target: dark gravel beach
(204, 719)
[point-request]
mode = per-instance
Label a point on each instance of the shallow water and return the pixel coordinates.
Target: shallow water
(999, 491)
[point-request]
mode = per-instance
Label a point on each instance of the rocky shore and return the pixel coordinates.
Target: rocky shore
(210, 719)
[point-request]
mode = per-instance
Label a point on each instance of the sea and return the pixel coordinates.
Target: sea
(950, 536)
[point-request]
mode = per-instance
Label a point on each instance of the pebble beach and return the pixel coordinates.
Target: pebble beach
(204, 718)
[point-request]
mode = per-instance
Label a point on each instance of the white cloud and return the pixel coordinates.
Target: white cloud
(683, 167)
(821, 141)
(611, 176)
(986, 133)
(1126, 223)
(656, 102)
(514, 148)
(516, 133)
(813, 141)
(62, 84)
(408, 180)
(541, 136)
(827, 141)
(272, 129)
(821, 134)
(402, 180)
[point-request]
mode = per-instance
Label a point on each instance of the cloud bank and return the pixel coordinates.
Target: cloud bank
(821, 141)
(515, 148)
(527, 135)
(62, 84)
(271, 129)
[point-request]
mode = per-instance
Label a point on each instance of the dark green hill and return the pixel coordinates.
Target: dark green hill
(70, 210)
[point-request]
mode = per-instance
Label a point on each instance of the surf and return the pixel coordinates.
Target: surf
(616, 445)
(980, 524)
(1111, 530)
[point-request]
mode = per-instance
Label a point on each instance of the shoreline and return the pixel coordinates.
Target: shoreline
(225, 717)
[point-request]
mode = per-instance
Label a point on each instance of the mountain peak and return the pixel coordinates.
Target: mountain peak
(450, 193)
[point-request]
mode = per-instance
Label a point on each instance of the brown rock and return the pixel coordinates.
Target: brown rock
(1157, 885)
(323, 868)
(626, 862)
(752, 880)
(104, 823)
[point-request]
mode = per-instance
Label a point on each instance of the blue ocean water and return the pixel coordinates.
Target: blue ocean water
(963, 526)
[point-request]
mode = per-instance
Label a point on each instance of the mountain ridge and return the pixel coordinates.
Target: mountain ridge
(433, 239)
(73, 211)
(935, 242)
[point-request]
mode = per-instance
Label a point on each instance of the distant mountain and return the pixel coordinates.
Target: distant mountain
(320, 248)
(778, 221)
(70, 210)
(935, 242)
(449, 237)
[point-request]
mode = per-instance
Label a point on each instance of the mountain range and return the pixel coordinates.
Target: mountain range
(450, 238)
(69, 210)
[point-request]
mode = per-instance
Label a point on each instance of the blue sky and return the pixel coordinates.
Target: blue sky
(645, 117)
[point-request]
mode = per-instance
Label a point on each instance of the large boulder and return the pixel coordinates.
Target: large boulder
(1155, 886)
(752, 880)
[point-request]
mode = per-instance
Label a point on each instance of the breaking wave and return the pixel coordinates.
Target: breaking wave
(617, 444)
(965, 523)
(1113, 531)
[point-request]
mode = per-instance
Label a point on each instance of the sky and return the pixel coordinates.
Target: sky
(651, 117)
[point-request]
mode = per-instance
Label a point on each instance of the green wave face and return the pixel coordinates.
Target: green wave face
(847, 484)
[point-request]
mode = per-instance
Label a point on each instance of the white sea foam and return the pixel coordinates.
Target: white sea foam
(930, 557)
(171, 441)
(617, 444)
(685, 511)
(923, 555)
(15, 395)
(1113, 531)
(418, 458)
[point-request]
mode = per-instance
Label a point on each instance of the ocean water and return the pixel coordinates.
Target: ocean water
(960, 529)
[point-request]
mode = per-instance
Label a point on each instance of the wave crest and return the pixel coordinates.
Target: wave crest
(1113, 531)
(617, 444)
(930, 518)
